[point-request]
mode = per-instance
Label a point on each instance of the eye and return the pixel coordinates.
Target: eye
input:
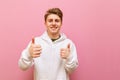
(57, 20)
(50, 20)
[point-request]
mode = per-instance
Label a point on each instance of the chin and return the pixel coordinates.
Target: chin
(54, 32)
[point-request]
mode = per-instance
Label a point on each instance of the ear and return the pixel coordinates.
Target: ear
(45, 24)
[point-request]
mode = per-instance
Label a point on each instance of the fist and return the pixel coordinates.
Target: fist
(34, 49)
(65, 52)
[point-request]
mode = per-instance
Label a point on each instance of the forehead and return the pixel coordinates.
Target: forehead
(53, 16)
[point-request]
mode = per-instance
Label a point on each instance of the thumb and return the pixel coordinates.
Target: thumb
(68, 46)
(33, 40)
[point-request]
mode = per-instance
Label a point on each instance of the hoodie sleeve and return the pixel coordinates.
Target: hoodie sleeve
(71, 63)
(25, 60)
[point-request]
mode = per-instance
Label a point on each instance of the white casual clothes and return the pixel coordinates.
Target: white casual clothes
(50, 65)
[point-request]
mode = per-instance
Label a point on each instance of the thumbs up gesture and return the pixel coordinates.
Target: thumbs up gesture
(65, 52)
(34, 49)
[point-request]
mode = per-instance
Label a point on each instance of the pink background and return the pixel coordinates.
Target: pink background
(94, 26)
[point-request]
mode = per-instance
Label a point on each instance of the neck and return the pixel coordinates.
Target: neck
(54, 36)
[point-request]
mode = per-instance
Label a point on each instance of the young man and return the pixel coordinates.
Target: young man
(54, 55)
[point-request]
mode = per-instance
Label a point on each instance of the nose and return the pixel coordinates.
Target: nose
(53, 22)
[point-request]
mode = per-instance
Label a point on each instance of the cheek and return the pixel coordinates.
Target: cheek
(60, 24)
(47, 24)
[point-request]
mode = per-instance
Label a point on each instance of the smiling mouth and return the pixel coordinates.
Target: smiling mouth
(53, 28)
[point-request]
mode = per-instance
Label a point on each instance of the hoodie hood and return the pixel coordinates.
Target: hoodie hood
(46, 38)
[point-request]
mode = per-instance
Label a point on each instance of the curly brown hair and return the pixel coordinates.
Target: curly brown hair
(56, 11)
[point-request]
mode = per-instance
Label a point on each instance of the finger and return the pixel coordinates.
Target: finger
(37, 49)
(61, 54)
(68, 46)
(33, 40)
(37, 53)
(37, 46)
(62, 49)
(35, 56)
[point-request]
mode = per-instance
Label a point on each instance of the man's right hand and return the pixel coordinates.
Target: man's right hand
(34, 49)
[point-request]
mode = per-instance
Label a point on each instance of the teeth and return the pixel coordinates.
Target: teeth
(53, 27)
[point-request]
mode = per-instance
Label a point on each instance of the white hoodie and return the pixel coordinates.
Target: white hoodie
(50, 66)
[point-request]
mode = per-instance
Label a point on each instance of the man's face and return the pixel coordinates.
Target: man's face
(53, 24)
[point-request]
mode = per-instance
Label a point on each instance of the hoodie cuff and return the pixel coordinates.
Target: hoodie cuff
(28, 56)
